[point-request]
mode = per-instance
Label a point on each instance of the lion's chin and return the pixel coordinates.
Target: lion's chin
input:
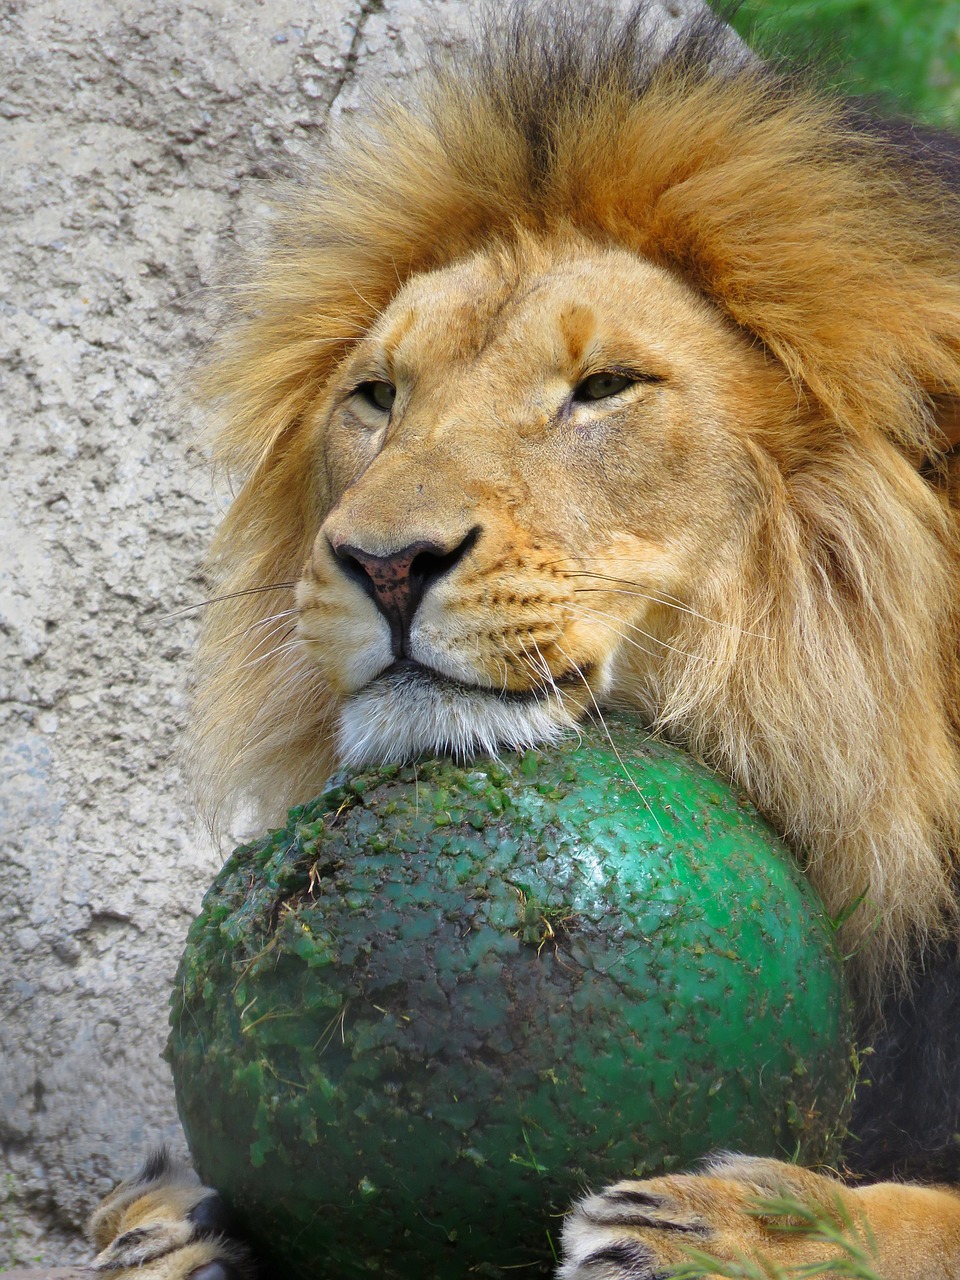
(409, 712)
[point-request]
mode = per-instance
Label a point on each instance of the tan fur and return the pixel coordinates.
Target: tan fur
(786, 601)
(143, 1228)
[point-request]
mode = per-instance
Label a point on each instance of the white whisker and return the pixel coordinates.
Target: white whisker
(541, 667)
(286, 646)
(230, 595)
(617, 624)
(259, 641)
(613, 746)
(663, 598)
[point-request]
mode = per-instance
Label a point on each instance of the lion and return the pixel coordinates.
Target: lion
(604, 379)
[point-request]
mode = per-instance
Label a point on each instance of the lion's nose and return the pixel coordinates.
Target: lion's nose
(397, 582)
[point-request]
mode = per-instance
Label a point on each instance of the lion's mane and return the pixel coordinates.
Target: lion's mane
(831, 240)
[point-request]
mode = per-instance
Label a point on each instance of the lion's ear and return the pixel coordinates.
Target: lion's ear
(946, 411)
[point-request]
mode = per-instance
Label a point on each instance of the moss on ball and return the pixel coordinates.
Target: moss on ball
(412, 1025)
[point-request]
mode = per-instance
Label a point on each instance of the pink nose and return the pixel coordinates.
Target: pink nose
(397, 582)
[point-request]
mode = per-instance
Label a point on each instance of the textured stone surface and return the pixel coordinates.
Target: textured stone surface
(135, 138)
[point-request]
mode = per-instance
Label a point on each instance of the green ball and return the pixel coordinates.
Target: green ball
(410, 1027)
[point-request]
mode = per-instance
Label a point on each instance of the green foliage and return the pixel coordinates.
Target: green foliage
(904, 53)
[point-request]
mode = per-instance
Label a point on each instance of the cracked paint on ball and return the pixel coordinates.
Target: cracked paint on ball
(410, 1027)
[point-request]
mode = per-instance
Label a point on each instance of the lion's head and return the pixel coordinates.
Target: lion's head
(537, 457)
(590, 382)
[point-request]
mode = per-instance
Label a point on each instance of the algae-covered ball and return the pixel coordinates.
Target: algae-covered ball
(410, 1027)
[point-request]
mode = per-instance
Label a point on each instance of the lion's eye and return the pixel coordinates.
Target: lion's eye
(601, 385)
(379, 395)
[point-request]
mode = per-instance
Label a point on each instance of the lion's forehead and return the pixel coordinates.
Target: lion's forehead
(566, 311)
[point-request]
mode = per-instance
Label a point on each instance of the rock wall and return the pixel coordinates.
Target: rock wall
(136, 140)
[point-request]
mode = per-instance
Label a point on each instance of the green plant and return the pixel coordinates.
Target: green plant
(904, 53)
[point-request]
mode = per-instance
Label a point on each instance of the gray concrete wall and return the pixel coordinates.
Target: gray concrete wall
(135, 140)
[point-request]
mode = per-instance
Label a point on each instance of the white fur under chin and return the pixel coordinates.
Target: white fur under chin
(398, 719)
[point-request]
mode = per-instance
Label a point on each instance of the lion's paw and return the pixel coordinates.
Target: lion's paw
(736, 1210)
(163, 1224)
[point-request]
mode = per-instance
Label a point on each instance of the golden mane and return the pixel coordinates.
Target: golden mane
(833, 699)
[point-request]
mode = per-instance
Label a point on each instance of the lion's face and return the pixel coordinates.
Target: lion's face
(534, 463)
